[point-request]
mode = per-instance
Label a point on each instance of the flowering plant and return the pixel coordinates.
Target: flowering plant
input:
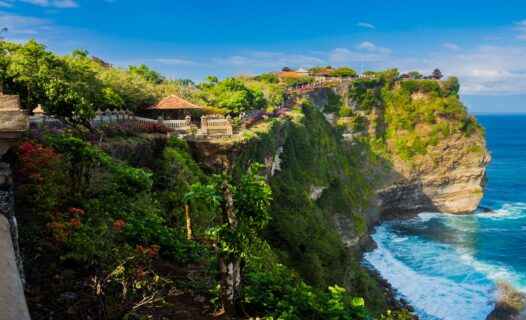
(155, 127)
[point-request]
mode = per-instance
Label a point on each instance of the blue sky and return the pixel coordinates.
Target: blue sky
(482, 42)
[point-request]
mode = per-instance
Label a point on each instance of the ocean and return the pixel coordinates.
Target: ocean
(446, 266)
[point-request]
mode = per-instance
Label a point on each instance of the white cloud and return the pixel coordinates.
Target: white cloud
(271, 60)
(521, 28)
(6, 4)
(43, 3)
(369, 46)
(483, 70)
(451, 46)
(366, 25)
(176, 61)
(64, 4)
(344, 56)
(54, 3)
(24, 25)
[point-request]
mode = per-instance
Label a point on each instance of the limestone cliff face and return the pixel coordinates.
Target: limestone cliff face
(450, 177)
(454, 181)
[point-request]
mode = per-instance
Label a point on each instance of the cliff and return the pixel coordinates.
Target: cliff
(432, 153)
(319, 196)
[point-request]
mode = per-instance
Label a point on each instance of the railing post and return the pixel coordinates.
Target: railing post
(107, 113)
(204, 124)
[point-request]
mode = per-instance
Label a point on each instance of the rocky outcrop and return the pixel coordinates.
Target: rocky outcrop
(450, 178)
(453, 180)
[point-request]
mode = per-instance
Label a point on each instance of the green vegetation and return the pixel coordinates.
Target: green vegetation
(343, 72)
(300, 231)
(129, 222)
(296, 82)
(416, 114)
(72, 87)
(234, 96)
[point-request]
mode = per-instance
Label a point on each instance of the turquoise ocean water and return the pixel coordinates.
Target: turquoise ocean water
(445, 265)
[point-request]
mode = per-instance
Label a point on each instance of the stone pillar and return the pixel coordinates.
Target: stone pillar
(204, 124)
(13, 122)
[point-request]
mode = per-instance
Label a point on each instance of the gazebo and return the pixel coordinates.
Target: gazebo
(174, 103)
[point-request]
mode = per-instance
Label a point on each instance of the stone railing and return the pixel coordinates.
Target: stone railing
(213, 124)
(13, 122)
(111, 117)
(179, 125)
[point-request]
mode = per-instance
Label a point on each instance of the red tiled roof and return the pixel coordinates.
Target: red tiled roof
(174, 102)
(325, 72)
(289, 74)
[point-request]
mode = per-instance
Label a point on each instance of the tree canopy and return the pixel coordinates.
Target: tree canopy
(234, 97)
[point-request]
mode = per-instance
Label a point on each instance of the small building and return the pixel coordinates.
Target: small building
(100, 62)
(175, 106)
(302, 72)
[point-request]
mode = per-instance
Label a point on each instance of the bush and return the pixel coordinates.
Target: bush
(131, 181)
(156, 127)
(42, 176)
(278, 294)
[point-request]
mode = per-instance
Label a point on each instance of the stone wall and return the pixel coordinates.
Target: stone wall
(13, 122)
(12, 300)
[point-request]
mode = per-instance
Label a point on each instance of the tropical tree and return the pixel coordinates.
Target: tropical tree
(147, 73)
(242, 208)
(234, 97)
(343, 72)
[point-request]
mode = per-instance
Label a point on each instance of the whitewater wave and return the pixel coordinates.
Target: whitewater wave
(516, 210)
(426, 216)
(493, 271)
(433, 297)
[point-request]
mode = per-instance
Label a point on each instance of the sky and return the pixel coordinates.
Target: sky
(481, 42)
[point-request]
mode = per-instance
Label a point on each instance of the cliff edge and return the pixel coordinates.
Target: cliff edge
(428, 152)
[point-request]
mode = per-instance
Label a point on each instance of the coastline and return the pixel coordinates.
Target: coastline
(501, 311)
(391, 295)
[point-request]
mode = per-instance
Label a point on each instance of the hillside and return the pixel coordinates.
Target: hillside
(131, 221)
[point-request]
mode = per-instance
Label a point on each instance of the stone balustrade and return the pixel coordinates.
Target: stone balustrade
(214, 124)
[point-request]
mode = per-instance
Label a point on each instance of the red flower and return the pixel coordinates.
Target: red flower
(75, 223)
(119, 224)
(153, 250)
(76, 211)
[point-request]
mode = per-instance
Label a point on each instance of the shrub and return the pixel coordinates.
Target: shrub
(279, 294)
(43, 177)
(131, 181)
(156, 127)
(80, 159)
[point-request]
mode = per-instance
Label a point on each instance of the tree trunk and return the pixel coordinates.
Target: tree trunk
(230, 284)
(229, 206)
(229, 266)
(189, 233)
